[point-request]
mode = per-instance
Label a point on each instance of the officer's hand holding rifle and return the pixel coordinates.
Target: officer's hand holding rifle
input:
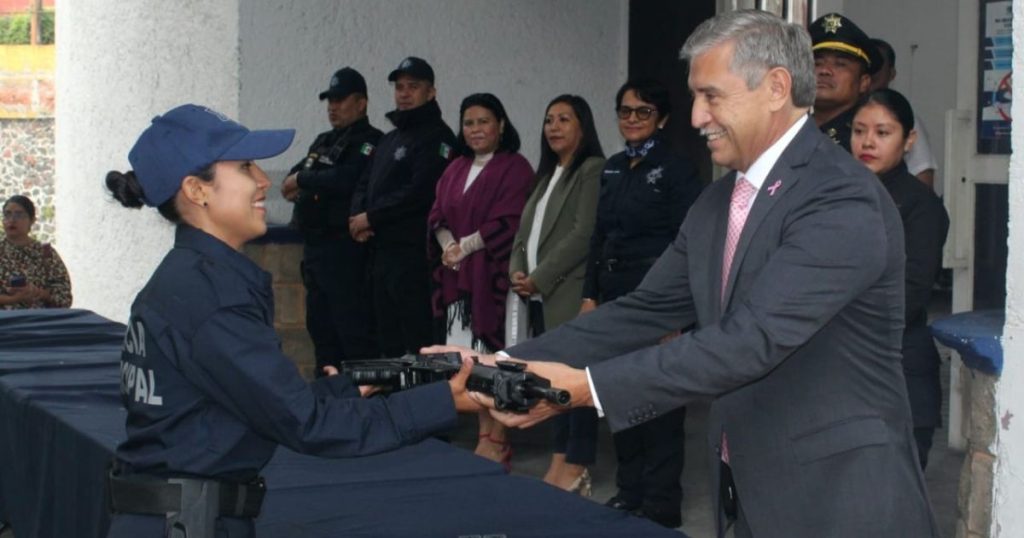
(382, 375)
(510, 387)
(559, 375)
(464, 402)
(364, 390)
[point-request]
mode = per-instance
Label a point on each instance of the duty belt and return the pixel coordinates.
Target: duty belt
(187, 503)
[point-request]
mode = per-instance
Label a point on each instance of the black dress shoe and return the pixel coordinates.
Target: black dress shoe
(619, 503)
(665, 518)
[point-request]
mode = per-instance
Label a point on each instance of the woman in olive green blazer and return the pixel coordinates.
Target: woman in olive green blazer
(564, 240)
(549, 256)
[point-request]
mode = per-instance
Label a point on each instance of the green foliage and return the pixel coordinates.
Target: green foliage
(16, 29)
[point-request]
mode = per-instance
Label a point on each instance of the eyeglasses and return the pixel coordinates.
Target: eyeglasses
(15, 215)
(642, 112)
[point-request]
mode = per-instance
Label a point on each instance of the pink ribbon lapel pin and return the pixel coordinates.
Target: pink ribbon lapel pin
(774, 187)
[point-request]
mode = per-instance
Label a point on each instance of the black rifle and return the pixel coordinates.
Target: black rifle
(513, 388)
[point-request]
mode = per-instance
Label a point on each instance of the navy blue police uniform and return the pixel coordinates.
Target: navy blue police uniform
(840, 127)
(210, 394)
(396, 194)
(925, 224)
(338, 314)
(638, 215)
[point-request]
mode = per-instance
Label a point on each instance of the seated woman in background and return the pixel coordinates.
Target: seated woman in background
(32, 275)
(883, 132)
(474, 219)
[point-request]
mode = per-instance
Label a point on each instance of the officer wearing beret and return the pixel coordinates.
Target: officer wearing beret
(209, 394)
(338, 316)
(390, 207)
(844, 60)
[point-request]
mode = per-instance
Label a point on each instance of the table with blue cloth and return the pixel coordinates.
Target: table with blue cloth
(61, 418)
(977, 336)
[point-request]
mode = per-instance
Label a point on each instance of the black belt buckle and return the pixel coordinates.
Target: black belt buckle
(727, 489)
(249, 501)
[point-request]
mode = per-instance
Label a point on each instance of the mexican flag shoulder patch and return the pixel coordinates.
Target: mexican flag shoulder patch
(445, 151)
(366, 149)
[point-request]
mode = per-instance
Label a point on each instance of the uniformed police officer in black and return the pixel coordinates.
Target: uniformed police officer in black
(646, 192)
(844, 60)
(209, 393)
(883, 133)
(390, 207)
(338, 313)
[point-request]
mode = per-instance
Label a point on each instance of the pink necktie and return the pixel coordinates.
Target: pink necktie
(739, 207)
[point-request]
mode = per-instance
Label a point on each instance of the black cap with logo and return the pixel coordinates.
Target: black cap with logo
(835, 32)
(417, 68)
(345, 82)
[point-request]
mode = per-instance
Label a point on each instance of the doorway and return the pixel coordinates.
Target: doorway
(657, 30)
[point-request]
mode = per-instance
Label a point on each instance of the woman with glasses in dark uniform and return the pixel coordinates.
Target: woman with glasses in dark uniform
(646, 191)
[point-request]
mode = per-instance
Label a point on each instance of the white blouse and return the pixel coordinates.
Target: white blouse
(538, 218)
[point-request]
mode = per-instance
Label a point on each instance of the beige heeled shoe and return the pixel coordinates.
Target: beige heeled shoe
(582, 485)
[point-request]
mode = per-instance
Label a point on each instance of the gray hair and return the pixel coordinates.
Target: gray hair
(762, 42)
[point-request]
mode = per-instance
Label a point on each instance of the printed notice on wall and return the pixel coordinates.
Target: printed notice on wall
(995, 63)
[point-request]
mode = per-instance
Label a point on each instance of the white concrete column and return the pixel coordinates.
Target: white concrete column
(118, 65)
(1008, 483)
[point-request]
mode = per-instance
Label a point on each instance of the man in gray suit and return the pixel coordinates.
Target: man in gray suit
(791, 267)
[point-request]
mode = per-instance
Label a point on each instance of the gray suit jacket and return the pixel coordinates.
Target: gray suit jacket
(802, 360)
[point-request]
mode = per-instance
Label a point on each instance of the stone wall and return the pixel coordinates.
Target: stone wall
(27, 167)
(974, 499)
(282, 261)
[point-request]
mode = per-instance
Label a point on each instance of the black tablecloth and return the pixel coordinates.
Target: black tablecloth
(61, 418)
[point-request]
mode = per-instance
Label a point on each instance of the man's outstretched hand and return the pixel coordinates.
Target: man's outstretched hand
(562, 377)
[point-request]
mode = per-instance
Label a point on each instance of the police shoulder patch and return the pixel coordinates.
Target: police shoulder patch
(445, 151)
(366, 149)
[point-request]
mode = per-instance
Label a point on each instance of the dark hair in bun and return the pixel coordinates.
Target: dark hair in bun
(126, 189)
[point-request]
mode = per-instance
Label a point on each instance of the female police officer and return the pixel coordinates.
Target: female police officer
(209, 393)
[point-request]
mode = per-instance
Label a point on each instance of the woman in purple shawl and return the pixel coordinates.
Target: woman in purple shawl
(474, 219)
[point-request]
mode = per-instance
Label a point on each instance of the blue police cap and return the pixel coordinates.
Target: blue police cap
(189, 138)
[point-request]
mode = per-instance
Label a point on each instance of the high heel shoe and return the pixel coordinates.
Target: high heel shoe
(583, 485)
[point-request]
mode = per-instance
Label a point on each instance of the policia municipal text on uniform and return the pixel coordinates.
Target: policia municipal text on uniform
(208, 391)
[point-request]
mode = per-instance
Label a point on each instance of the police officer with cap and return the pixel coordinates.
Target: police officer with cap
(338, 316)
(390, 207)
(208, 392)
(844, 60)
